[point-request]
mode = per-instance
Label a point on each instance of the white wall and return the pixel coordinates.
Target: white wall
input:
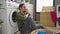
(41, 3)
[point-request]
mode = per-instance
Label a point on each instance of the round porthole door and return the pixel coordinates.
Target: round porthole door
(12, 18)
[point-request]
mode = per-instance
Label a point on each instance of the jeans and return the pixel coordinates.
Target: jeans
(28, 26)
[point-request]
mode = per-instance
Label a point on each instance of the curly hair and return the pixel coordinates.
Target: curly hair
(20, 6)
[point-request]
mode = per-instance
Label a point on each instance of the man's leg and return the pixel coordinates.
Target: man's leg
(28, 26)
(31, 23)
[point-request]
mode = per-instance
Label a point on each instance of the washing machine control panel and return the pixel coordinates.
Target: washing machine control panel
(11, 5)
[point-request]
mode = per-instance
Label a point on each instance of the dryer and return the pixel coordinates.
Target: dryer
(7, 15)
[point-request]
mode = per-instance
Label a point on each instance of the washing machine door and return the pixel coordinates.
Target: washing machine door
(12, 18)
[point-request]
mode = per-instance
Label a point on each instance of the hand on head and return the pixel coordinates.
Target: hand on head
(23, 9)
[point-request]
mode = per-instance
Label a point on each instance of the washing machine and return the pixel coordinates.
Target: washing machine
(7, 14)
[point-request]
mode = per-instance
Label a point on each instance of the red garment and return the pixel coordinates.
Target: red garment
(54, 16)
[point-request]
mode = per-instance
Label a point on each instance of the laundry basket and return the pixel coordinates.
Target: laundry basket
(45, 16)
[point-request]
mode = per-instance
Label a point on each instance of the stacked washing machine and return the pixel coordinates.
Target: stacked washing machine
(7, 12)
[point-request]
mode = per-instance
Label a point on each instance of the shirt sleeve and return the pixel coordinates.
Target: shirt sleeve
(20, 17)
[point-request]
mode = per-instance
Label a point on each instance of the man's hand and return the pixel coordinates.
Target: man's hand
(26, 12)
(27, 15)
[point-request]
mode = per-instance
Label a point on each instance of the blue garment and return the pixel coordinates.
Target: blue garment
(41, 32)
(28, 26)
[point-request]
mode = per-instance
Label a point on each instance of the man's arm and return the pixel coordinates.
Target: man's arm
(21, 17)
(27, 13)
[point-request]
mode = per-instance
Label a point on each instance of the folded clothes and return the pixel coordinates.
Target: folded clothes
(54, 16)
(40, 32)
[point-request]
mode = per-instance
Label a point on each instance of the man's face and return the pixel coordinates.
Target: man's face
(23, 8)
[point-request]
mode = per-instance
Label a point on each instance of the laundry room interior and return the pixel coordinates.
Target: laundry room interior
(29, 16)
